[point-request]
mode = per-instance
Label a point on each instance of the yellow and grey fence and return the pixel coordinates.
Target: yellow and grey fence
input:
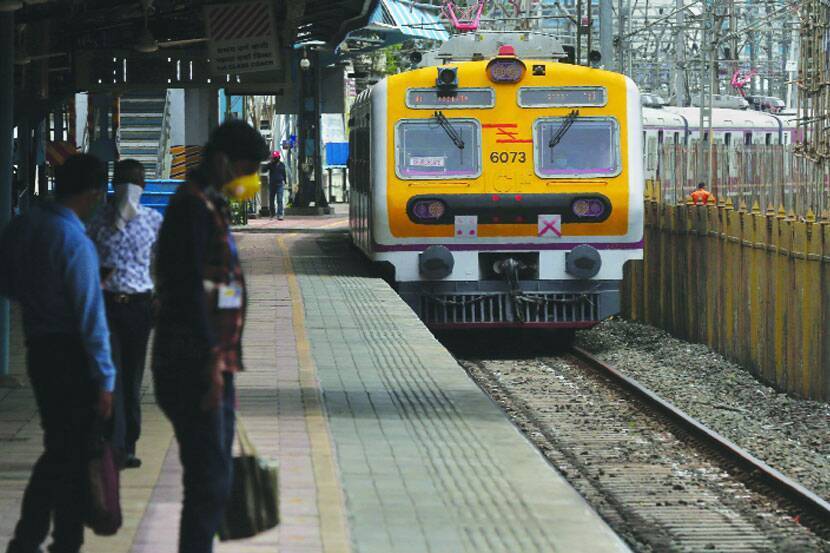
(754, 285)
(184, 159)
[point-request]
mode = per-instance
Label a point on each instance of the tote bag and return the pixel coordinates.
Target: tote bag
(103, 513)
(253, 506)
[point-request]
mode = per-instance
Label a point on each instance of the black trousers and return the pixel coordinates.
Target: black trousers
(65, 394)
(130, 325)
(205, 438)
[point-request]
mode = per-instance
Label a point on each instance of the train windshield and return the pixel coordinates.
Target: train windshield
(426, 150)
(589, 148)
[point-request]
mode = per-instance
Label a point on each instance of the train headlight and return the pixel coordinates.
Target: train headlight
(436, 262)
(429, 210)
(447, 78)
(583, 262)
(588, 208)
(506, 67)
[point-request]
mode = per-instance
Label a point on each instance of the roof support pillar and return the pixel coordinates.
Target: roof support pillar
(309, 151)
(6, 149)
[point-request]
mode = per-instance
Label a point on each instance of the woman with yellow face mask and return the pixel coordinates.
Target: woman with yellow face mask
(197, 345)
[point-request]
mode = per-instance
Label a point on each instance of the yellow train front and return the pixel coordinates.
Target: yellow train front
(503, 187)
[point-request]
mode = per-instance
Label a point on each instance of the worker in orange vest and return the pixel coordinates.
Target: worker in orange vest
(701, 195)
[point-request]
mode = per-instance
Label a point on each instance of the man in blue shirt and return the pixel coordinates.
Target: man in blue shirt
(51, 268)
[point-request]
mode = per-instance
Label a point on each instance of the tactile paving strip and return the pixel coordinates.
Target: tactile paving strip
(427, 461)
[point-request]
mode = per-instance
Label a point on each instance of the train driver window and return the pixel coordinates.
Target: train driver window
(435, 149)
(590, 147)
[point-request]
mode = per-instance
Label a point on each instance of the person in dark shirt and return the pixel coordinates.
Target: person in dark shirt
(197, 347)
(50, 267)
(276, 185)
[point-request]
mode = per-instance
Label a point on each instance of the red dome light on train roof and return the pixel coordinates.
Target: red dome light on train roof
(506, 67)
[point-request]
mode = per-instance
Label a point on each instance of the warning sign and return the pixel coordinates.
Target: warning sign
(242, 38)
(550, 226)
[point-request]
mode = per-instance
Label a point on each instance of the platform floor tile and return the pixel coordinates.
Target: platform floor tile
(384, 443)
(428, 462)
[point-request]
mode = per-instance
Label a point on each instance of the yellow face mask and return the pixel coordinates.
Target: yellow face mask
(242, 188)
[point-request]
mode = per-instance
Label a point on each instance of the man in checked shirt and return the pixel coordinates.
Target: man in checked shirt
(125, 233)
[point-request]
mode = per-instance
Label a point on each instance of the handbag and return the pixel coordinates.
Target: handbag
(253, 506)
(103, 513)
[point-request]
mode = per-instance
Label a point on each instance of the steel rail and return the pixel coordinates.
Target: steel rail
(814, 511)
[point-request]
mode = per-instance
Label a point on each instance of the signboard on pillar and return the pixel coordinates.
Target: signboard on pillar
(242, 38)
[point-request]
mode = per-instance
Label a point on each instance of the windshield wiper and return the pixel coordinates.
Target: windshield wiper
(566, 124)
(454, 135)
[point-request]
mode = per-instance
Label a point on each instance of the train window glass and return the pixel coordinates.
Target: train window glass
(768, 139)
(462, 98)
(677, 138)
(747, 138)
(727, 138)
(425, 150)
(589, 148)
(562, 96)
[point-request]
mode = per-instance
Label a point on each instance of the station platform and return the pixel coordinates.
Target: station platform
(384, 443)
(336, 222)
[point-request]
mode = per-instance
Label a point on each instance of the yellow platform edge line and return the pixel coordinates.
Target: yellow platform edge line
(330, 501)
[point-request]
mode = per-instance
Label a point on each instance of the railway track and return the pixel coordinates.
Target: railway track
(662, 479)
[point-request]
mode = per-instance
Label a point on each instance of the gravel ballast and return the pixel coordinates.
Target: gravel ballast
(790, 434)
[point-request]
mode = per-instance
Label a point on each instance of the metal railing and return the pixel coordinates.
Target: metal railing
(165, 157)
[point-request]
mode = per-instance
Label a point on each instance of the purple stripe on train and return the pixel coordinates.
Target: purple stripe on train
(493, 247)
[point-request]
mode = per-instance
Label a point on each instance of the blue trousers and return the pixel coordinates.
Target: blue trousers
(276, 192)
(205, 441)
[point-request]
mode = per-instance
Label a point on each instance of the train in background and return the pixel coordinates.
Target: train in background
(730, 127)
(500, 187)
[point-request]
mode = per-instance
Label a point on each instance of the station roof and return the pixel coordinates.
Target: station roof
(330, 21)
(322, 21)
(407, 20)
(69, 37)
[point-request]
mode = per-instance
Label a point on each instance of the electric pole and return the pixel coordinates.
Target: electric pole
(620, 37)
(680, 85)
(606, 33)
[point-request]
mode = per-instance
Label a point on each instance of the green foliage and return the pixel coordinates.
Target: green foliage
(393, 59)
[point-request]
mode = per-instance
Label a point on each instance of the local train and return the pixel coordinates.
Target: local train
(501, 187)
(730, 127)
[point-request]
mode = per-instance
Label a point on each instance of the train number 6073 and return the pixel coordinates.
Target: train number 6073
(508, 157)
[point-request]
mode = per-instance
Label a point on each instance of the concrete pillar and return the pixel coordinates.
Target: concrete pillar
(200, 116)
(309, 139)
(6, 149)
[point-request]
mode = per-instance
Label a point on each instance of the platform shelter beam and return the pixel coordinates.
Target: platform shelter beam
(6, 149)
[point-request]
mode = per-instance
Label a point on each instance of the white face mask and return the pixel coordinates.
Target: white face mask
(127, 200)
